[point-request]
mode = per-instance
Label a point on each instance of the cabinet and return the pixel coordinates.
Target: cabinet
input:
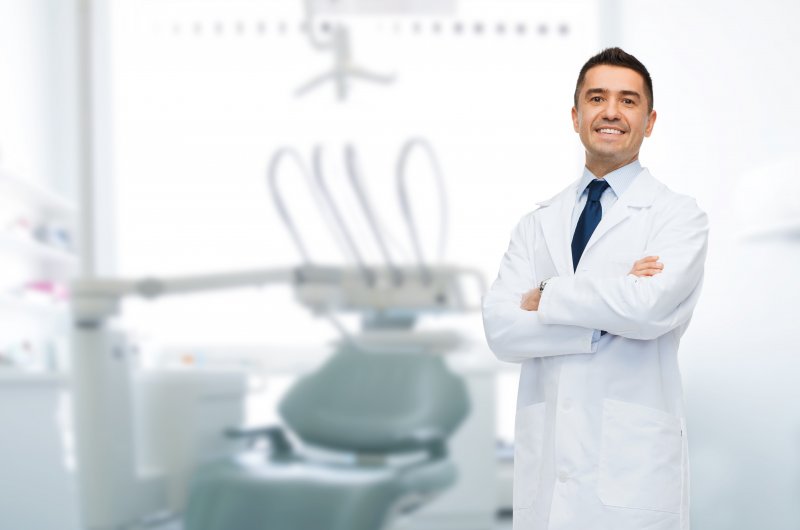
(36, 489)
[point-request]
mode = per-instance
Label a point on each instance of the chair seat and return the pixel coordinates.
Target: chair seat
(300, 495)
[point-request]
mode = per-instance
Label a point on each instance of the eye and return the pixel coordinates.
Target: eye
(628, 101)
(596, 99)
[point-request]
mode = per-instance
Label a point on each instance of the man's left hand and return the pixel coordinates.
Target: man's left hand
(530, 300)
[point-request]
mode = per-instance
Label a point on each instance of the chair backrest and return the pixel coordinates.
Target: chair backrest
(376, 402)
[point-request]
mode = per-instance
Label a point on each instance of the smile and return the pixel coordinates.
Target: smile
(609, 131)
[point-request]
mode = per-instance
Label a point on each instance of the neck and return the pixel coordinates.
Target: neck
(602, 167)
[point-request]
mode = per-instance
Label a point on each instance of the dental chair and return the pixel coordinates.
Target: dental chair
(389, 414)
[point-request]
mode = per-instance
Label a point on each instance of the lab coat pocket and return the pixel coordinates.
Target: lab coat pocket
(641, 458)
(528, 446)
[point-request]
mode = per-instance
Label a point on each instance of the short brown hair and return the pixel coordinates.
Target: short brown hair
(617, 57)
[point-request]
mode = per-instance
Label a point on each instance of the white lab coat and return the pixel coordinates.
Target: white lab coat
(600, 437)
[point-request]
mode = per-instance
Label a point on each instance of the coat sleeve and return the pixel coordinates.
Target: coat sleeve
(634, 307)
(513, 334)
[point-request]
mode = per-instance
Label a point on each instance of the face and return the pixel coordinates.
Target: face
(612, 117)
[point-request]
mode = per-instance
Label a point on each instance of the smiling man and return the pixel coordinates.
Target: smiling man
(593, 295)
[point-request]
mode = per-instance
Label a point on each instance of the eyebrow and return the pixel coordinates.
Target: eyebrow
(593, 91)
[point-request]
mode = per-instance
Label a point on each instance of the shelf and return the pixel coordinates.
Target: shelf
(39, 251)
(36, 195)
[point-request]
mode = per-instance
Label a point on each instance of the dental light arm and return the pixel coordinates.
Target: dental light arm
(94, 300)
(323, 290)
(156, 287)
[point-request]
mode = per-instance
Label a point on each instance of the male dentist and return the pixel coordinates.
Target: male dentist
(593, 295)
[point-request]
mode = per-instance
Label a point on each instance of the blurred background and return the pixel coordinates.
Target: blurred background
(399, 141)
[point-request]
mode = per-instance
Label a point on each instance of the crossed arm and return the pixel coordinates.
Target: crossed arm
(651, 300)
(647, 266)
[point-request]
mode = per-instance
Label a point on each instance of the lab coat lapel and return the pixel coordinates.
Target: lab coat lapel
(556, 219)
(641, 194)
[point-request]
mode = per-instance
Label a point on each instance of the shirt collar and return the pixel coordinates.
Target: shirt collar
(618, 180)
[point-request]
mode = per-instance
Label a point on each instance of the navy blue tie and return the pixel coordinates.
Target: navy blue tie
(588, 221)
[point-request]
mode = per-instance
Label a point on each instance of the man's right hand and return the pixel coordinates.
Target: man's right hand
(647, 266)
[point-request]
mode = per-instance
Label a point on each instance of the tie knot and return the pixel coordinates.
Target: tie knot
(596, 189)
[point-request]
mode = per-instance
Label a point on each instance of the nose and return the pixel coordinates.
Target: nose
(611, 110)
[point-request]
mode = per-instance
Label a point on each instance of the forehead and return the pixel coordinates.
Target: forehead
(613, 78)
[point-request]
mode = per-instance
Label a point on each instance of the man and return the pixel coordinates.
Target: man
(593, 295)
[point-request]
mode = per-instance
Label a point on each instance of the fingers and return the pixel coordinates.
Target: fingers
(647, 266)
(530, 300)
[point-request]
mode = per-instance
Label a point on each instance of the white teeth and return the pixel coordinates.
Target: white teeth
(610, 131)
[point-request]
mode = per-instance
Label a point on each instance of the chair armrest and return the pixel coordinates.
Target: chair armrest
(429, 446)
(275, 435)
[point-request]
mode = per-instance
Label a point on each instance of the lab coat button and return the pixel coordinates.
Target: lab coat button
(563, 477)
(566, 404)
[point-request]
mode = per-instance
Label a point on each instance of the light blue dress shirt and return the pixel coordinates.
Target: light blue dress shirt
(618, 180)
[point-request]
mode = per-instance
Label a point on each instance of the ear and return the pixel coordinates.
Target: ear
(575, 119)
(651, 121)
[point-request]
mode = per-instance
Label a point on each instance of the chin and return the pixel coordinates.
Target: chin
(608, 153)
